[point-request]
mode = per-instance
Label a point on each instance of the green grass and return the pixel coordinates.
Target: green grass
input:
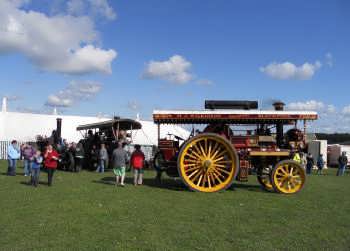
(86, 211)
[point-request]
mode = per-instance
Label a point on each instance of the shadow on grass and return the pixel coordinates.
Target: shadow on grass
(249, 187)
(17, 174)
(27, 183)
(169, 184)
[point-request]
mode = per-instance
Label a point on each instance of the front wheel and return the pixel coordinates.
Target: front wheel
(288, 177)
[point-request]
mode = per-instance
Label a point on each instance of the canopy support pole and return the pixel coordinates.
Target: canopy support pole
(158, 131)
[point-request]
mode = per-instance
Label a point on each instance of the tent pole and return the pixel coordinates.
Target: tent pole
(131, 133)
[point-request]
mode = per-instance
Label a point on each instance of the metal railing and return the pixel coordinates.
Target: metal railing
(4, 146)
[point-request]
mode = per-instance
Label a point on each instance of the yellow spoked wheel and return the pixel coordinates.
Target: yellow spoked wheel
(264, 178)
(208, 163)
(288, 177)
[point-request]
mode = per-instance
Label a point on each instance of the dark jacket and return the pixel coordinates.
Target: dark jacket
(309, 160)
(343, 160)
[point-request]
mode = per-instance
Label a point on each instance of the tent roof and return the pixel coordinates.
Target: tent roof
(121, 123)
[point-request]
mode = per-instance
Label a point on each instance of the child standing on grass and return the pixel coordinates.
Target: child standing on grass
(119, 160)
(102, 159)
(36, 164)
(137, 161)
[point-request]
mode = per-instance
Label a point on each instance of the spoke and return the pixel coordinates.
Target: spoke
(208, 178)
(281, 181)
(216, 160)
(217, 151)
(292, 184)
(192, 161)
(219, 165)
(282, 170)
(212, 179)
(196, 176)
(195, 153)
(187, 165)
(291, 171)
(222, 170)
(206, 147)
(202, 150)
(192, 169)
(204, 179)
(196, 171)
(224, 161)
(217, 177)
(221, 155)
(280, 174)
(198, 151)
(190, 156)
(218, 173)
(296, 171)
(200, 179)
(209, 149)
(215, 148)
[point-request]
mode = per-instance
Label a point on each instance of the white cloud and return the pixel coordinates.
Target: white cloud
(76, 7)
(287, 70)
(330, 118)
(102, 7)
(346, 110)
(329, 59)
(60, 43)
(176, 70)
(91, 7)
(59, 101)
(75, 92)
(311, 105)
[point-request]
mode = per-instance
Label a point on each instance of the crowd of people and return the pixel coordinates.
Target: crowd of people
(307, 161)
(48, 159)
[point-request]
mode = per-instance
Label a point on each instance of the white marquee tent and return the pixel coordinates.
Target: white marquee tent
(24, 127)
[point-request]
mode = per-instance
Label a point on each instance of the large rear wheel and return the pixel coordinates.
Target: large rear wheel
(288, 177)
(208, 163)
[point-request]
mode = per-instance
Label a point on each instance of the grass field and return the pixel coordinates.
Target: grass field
(86, 211)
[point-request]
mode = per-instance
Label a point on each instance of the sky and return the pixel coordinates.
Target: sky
(123, 57)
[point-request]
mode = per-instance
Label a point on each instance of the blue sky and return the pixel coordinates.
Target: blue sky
(167, 54)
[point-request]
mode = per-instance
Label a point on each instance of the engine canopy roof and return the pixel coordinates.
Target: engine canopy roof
(231, 116)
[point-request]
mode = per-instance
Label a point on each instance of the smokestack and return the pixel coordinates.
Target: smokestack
(59, 128)
(279, 105)
(4, 104)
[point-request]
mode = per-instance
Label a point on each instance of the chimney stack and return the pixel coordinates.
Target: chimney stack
(279, 105)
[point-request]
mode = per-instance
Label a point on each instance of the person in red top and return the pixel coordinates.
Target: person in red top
(50, 162)
(137, 161)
